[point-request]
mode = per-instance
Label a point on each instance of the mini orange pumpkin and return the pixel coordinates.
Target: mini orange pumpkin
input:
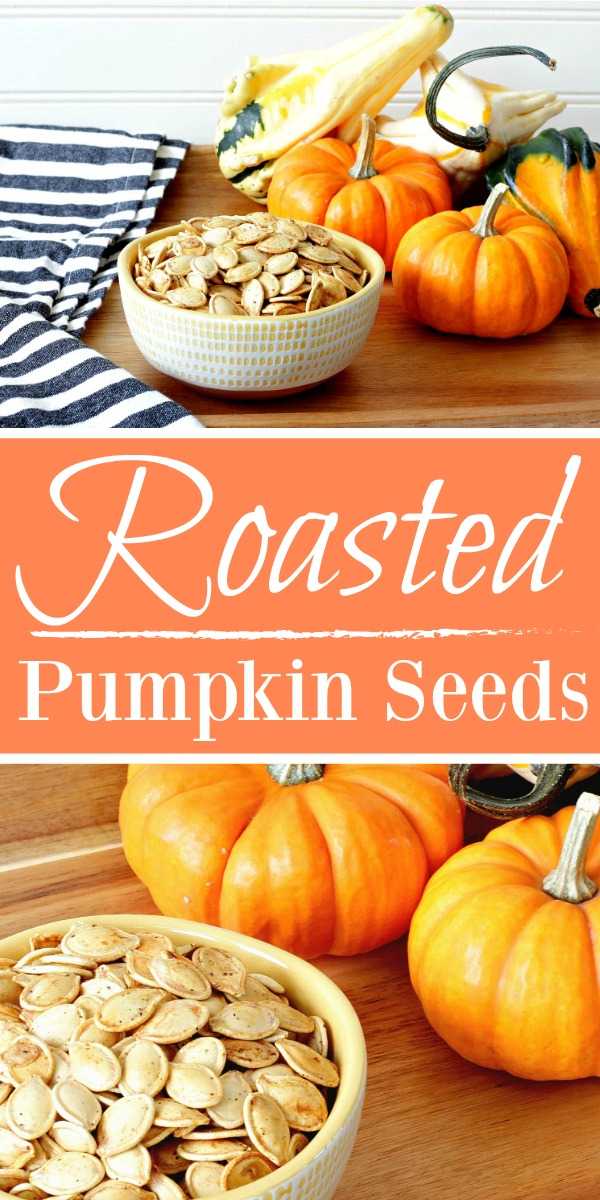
(374, 192)
(503, 948)
(319, 860)
(491, 272)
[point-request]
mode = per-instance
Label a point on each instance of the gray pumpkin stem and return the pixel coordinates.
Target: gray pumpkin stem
(290, 774)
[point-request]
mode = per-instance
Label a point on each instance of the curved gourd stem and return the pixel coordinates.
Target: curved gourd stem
(290, 774)
(550, 781)
(477, 138)
(568, 881)
(485, 227)
(363, 167)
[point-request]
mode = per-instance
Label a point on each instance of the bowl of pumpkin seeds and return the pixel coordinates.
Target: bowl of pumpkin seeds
(249, 304)
(148, 1058)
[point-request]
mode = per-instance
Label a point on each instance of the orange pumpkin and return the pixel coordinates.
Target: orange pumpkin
(503, 948)
(318, 860)
(491, 272)
(373, 192)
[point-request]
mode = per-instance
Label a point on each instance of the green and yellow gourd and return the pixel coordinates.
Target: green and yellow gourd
(275, 105)
(557, 176)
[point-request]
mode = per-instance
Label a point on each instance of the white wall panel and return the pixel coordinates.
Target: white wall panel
(161, 66)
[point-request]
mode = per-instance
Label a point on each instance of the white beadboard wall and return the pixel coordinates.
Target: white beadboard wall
(147, 65)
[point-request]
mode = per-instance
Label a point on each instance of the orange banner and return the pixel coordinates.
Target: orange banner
(300, 595)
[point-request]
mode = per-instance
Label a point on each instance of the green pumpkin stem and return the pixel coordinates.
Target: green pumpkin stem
(363, 167)
(568, 881)
(479, 137)
(290, 774)
(485, 227)
(550, 781)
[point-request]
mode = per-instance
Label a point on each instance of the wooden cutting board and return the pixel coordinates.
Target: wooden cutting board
(406, 375)
(434, 1128)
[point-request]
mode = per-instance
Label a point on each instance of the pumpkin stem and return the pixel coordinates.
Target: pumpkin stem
(479, 137)
(549, 781)
(568, 881)
(363, 167)
(289, 774)
(485, 227)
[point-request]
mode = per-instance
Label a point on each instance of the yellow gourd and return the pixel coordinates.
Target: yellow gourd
(272, 106)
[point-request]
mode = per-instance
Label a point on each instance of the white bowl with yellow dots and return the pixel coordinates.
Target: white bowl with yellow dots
(94, 965)
(245, 354)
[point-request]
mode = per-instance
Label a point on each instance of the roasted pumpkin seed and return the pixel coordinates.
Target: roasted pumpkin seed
(246, 1169)
(267, 1127)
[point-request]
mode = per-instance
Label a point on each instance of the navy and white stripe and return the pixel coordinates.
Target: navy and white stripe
(70, 199)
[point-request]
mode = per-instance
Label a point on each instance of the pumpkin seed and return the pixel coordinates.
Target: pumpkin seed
(224, 971)
(131, 1166)
(203, 1052)
(253, 297)
(171, 1114)
(267, 1128)
(181, 977)
(30, 1109)
(94, 1065)
(243, 272)
(74, 1138)
(164, 1187)
(116, 1190)
(203, 1180)
(58, 1025)
(248, 233)
(145, 1068)
(223, 307)
(130, 1009)
(248, 1168)
(206, 266)
(26, 1057)
(187, 297)
(212, 1150)
(15, 1151)
(294, 279)
(217, 235)
(175, 1021)
(246, 1021)
(91, 1031)
(226, 256)
(319, 1038)
(194, 1086)
(301, 1102)
(270, 284)
(251, 1055)
(228, 1112)
(298, 1142)
(124, 1124)
(102, 943)
(77, 1103)
(68, 1173)
(310, 1064)
(281, 264)
(208, 1135)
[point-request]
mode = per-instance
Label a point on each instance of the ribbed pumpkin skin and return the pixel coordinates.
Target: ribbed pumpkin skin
(334, 866)
(507, 975)
(311, 183)
(557, 176)
(502, 286)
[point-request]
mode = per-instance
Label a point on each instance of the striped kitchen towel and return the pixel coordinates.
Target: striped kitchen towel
(70, 199)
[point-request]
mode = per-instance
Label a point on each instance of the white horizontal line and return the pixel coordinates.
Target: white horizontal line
(257, 635)
(509, 11)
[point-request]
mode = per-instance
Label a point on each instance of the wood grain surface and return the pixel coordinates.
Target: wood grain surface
(434, 1126)
(405, 376)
